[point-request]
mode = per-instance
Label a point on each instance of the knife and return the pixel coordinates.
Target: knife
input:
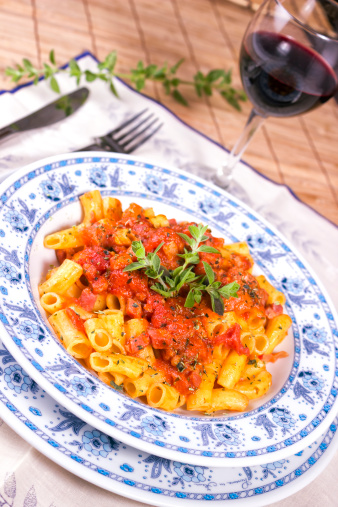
(48, 115)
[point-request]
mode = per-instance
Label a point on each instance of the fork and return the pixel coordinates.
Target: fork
(126, 140)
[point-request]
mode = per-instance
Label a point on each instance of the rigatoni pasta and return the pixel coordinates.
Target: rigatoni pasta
(189, 346)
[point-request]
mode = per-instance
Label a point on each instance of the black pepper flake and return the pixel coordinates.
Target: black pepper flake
(180, 367)
(135, 305)
(129, 280)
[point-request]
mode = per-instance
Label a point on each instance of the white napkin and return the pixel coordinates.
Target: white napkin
(37, 480)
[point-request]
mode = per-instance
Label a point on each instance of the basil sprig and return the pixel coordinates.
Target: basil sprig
(168, 283)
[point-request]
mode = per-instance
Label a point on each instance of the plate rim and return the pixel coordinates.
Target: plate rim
(144, 445)
(122, 489)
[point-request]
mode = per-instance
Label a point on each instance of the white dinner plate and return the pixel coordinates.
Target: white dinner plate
(43, 197)
(106, 462)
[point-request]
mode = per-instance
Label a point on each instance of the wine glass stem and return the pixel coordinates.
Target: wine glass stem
(224, 173)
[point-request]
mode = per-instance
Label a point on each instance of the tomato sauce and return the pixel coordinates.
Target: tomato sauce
(177, 334)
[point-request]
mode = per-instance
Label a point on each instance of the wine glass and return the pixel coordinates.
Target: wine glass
(288, 64)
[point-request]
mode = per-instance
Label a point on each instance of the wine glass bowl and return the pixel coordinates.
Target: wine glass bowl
(288, 64)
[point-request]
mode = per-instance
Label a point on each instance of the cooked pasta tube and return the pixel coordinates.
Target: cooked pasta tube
(123, 237)
(149, 213)
(75, 341)
(74, 291)
(81, 312)
(255, 387)
(252, 369)
(112, 208)
(275, 296)
(216, 325)
(113, 321)
(201, 399)
(240, 248)
(50, 272)
(52, 302)
(108, 378)
(82, 282)
(261, 344)
(276, 330)
(147, 353)
(256, 319)
(159, 221)
(163, 396)
(135, 327)
(227, 399)
(62, 279)
(231, 369)
(98, 336)
(139, 387)
(100, 303)
(220, 352)
(113, 302)
(130, 366)
(92, 207)
(248, 340)
(68, 238)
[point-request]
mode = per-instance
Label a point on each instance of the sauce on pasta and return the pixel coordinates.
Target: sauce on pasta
(176, 342)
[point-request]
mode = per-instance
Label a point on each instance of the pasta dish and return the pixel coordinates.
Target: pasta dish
(163, 310)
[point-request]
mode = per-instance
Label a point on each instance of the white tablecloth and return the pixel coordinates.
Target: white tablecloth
(27, 478)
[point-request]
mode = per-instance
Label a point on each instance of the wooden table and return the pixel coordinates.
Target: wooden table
(300, 152)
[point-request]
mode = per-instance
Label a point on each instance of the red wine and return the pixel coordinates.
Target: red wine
(282, 77)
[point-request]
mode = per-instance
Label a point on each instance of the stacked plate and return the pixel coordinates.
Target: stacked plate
(120, 444)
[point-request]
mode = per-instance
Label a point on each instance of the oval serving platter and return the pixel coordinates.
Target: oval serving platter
(43, 197)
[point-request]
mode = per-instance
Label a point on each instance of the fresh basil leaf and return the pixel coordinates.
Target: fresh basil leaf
(216, 285)
(209, 272)
(169, 281)
(195, 232)
(208, 249)
(174, 68)
(184, 277)
(138, 249)
(229, 290)
(90, 76)
(215, 74)
(52, 56)
(133, 266)
(113, 89)
(217, 305)
(156, 261)
(157, 288)
(164, 271)
(179, 97)
(190, 300)
(187, 238)
(159, 247)
(198, 297)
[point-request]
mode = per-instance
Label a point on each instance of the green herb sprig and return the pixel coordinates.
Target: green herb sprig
(204, 84)
(168, 283)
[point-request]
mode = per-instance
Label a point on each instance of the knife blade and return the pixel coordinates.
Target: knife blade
(48, 115)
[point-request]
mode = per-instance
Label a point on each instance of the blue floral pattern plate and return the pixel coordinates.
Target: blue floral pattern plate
(108, 463)
(43, 198)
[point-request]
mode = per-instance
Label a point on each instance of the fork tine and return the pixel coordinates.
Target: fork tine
(127, 134)
(126, 123)
(137, 134)
(133, 147)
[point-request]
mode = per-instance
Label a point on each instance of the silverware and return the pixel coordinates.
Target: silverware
(48, 115)
(127, 140)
